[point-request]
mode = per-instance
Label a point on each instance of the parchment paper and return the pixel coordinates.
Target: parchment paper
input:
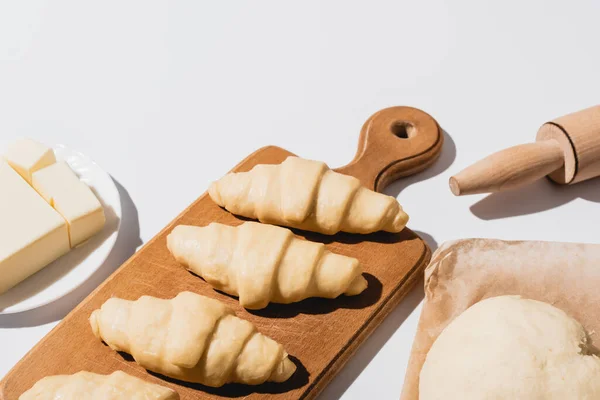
(461, 273)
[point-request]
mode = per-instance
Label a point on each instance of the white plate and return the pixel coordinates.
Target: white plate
(74, 268)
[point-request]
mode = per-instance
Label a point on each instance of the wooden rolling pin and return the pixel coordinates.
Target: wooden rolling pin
(567, 150)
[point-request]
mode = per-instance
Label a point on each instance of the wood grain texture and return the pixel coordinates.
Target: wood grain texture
(393, 143)
(579, 134)
(567, 150)
(319, 334)
(509, 168)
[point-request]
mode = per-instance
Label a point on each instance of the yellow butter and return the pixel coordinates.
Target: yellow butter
(32, 234)
(73, 199)
(27, 156)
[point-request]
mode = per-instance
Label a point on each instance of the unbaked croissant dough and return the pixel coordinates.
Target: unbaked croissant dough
(264, 263)
(509, 348)
(191, 338)
(307, 195)
(89, 386)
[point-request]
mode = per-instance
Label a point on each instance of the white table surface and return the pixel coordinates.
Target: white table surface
(167, 97)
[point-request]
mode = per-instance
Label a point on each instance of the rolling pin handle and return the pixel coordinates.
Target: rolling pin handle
(509, 168)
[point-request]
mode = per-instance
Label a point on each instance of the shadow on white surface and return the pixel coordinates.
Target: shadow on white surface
(446, 159)
(127, 242)
(537, 197)
(431, 242)
(373, 344)
(369, 349)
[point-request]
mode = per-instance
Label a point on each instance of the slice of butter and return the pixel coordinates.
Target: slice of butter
(27, 156)
(73, 199)
(32, 234)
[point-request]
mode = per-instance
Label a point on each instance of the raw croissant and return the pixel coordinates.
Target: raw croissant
(307, 195)
(264, 263)
(89, 386)
(191, 338)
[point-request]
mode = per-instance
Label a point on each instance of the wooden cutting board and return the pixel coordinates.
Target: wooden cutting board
(319, 334)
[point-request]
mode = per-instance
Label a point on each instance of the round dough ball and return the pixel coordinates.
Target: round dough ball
(508, 347)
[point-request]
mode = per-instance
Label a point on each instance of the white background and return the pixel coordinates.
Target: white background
(169, 96)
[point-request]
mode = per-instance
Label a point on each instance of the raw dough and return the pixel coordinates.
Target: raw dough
(262, 263)
(307, 195)
(89, 386)
(192, 338)
(511, 348)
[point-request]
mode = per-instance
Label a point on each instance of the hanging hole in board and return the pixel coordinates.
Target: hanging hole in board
(403, 129)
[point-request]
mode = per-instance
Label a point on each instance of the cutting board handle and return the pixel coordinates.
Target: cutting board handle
(394, 142)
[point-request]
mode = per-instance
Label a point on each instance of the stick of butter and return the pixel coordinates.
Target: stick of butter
(32, 234)
(73, 199)
(27, 156)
